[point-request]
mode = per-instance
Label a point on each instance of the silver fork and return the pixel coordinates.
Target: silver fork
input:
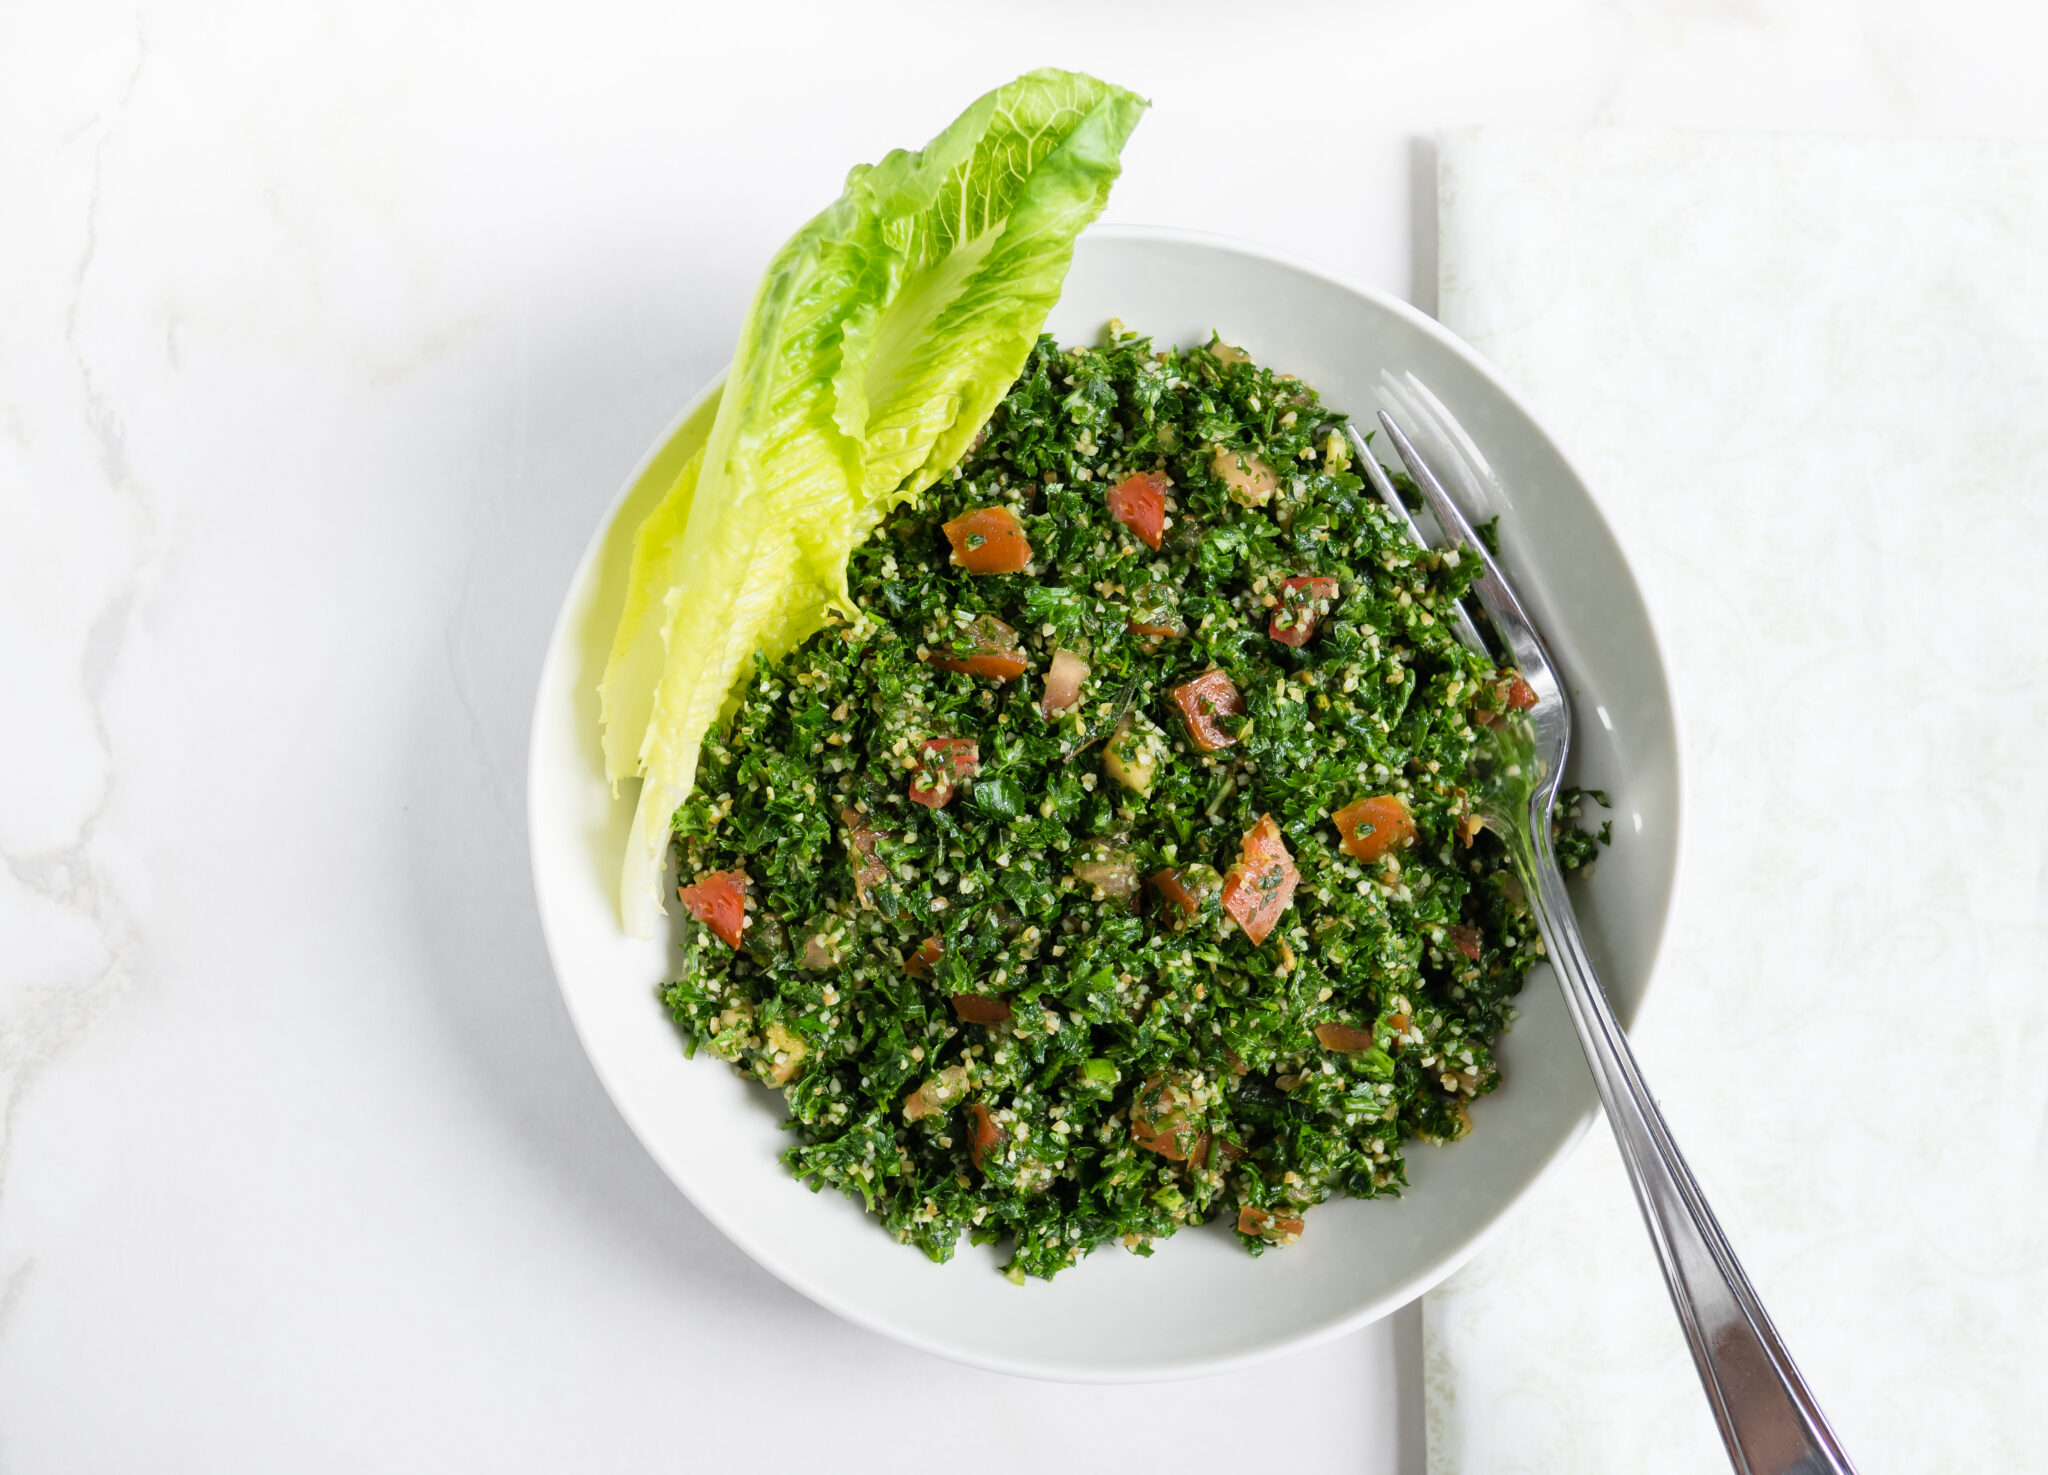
(1767, 1417)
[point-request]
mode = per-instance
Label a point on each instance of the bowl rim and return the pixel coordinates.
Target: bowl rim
(1374, 1310)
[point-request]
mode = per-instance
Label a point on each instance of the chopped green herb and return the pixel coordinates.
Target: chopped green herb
(1113, 969)
(1576, 846)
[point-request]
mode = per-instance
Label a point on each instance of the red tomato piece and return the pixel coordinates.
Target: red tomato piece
(1152, 612)
(1283, 1227)
(941, 764)
(1261, 885)
(1304, 599)
(719, 901)
(987, 647)
(1063, 681)
(1198, 1155)
(1204, 702)
(988, 540)
(1174, 892)
(1511, 694)
(1345, 1039)
(1372, 827)
(980, 1009)
(986, 1132)
(1139, 503)
(996, 665)
(1465, 939)
(1159, 1122)
(920, 963)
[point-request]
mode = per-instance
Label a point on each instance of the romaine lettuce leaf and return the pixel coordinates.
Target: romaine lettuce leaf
(880, 340)
(627, 694)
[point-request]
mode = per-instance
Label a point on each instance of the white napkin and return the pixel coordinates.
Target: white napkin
(1807, 379)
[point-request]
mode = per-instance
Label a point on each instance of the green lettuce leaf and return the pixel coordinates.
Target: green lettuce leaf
(627, 695)
(882, 337)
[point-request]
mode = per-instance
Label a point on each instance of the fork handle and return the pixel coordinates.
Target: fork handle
(1767, 1417)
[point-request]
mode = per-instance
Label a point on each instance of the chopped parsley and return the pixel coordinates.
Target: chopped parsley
(1001, 963)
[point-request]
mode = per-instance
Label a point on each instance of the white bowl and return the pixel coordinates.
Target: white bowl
(1200, 1304)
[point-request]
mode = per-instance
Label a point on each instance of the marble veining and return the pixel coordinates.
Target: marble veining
(43, 1022)
(326, 332)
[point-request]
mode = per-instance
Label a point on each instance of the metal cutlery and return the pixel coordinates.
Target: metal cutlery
(1767, 1416)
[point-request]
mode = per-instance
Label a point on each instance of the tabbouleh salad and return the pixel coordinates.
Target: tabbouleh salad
(1113, 872)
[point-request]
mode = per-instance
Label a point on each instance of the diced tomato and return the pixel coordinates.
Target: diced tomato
(1063, 681)
(719, 901)
(1511, 693)
(1139, 503)
(988, 540)
(1345, 1039)
(1397, 1024)
(1372, 827)
(1465, 939)
(1267, 1225)
(1204, 702)
(986, 1132)
(1303, 599)
(987, 647)
(1159, 1122)
(1261, 885)
(1173, 891)
(1153, 612)
(920, 963)
(1186, 891)
(941, 764)
(868, 870)
(995, 664)
(1198, 1154)
(980, 1009)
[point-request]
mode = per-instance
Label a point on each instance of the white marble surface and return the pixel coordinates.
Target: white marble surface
(325, 332)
